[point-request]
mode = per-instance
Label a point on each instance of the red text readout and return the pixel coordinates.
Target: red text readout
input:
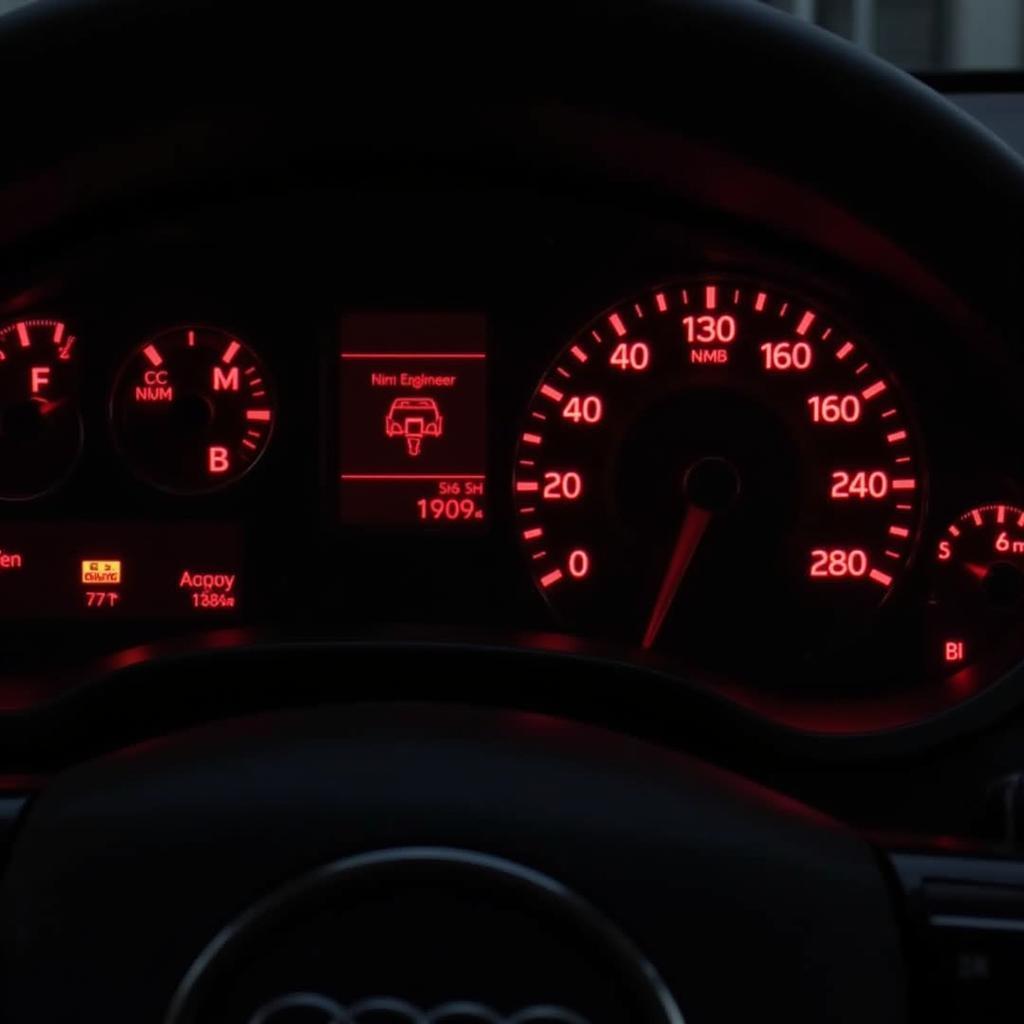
(119, 570)
(412, 419)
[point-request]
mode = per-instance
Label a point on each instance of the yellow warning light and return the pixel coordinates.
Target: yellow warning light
(102, 571)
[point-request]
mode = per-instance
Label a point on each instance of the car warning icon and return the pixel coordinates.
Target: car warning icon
(414, 419)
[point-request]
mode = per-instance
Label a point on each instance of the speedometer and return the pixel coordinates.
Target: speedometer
(721, 471)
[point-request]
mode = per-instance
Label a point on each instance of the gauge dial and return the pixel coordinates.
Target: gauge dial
(193, 409)
(978, 599)
(40, 421)
(721, 471)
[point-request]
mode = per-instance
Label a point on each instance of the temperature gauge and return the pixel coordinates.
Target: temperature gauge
(978, 600)
(40, 422)
(193, 409)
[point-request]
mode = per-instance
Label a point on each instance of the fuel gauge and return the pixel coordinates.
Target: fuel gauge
(978, 598)
(40, 421)
(193, 409)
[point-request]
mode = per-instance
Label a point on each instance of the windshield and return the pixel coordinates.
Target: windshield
(925, 35)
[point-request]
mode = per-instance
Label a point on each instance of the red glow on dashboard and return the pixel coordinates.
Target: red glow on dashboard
(954, 651)
(59, 570)
(218, 460)
(617, 325)
(412, 437)
(11, 560)
(226, 380)
(192, 409)
(805, 323)
(412, 420)
(209, 591)
(656, 498)
(549, 579)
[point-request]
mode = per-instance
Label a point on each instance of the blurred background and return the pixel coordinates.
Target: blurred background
(925, 35)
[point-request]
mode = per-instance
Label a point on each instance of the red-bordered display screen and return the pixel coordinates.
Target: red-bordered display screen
(413, 419)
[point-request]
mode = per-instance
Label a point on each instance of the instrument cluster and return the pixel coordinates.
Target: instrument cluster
(714, 463)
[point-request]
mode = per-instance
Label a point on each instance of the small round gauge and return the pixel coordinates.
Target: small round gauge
(978, 596)
(40, 421)
(193, 409)
(722, 471)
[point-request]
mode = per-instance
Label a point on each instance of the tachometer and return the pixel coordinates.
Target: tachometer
(193, 409)
(721, 470)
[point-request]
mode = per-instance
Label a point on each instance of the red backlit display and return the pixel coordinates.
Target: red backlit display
(111, 570)
(193, 409)
(412, 417)
(715, 460)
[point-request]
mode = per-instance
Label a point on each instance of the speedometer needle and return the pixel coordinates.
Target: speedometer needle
(695, 522)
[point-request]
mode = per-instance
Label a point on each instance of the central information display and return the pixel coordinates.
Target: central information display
(412, 419)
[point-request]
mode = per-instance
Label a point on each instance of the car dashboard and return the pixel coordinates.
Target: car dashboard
(618, 417)
(495, 416)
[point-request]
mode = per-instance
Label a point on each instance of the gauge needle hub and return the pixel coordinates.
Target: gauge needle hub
(695, 523)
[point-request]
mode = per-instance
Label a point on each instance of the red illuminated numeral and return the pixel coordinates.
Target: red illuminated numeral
(834, 408)
(214, 601)
(787, 355)
(838, 562)
(1003, 544)
(631, 355)
(708, 330)
(945, 551)
(448, 509)
(579, 564)
(861, 484)
(562, 486)
(585, 409)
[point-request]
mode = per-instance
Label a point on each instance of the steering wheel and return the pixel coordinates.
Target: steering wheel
(420, 861)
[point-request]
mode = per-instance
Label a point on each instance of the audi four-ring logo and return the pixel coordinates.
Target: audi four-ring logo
(401, 1012)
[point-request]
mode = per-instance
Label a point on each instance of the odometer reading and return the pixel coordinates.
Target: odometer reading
(721, 470)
